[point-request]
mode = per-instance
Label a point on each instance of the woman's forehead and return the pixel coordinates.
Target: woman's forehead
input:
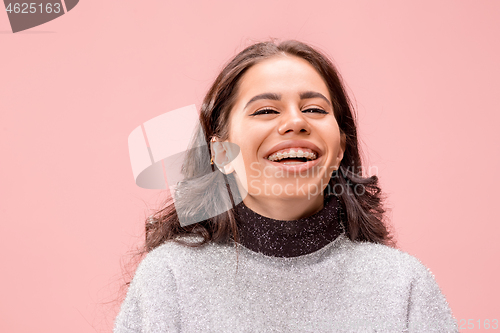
(280, 76)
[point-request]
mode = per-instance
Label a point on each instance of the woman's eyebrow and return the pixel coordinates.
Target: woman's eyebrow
(277, 97)
(314, 94)
(271, 96)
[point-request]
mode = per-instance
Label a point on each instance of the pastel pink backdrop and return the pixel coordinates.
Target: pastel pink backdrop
(424, 74)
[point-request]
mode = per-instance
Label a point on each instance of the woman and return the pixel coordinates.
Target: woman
(274, 228)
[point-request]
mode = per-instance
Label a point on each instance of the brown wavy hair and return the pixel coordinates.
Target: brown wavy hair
(363, 212)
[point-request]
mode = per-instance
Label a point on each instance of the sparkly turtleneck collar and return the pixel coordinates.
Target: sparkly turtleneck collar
(289, 238)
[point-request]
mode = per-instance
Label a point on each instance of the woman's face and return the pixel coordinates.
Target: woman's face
(284, 125)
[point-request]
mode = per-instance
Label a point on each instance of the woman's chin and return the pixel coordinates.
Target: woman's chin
(293, 189)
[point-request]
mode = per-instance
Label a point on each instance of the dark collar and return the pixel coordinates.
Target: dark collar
(289, 238)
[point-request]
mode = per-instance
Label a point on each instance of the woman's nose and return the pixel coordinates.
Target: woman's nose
(293, 120)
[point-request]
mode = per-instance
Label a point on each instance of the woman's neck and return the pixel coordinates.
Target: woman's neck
(285, 208)
(289, 238)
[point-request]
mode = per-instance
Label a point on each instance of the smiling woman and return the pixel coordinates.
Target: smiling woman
(292, 234)
(281, 111)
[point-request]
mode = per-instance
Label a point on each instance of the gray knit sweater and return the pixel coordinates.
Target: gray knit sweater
(345, 286)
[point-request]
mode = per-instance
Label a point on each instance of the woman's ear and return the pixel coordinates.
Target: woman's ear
(222, 155)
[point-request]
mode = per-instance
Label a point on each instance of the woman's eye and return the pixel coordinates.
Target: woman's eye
(264, 111)
(271, 111)
(315, 110)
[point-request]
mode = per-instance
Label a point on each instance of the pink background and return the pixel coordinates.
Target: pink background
(425, 76)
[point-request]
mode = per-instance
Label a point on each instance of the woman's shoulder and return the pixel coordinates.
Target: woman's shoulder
(375, 257)
(172, 249)
(172, 254)
(160, 262)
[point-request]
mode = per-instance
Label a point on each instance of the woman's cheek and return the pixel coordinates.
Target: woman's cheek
(255, 170)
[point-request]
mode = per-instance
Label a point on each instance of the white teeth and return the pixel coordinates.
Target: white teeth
(292, 163)
(292, 154)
